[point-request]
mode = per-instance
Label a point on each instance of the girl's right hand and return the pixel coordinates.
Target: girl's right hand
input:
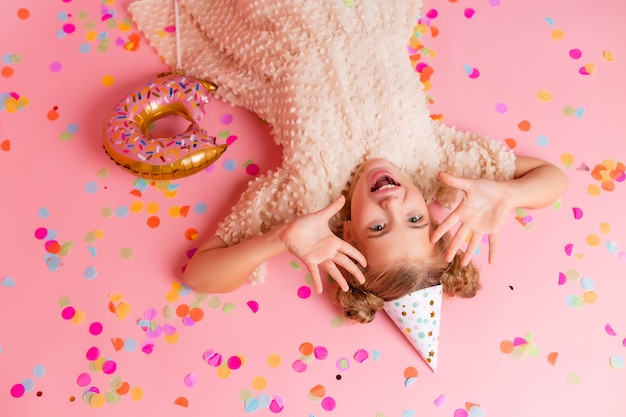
(310, 239)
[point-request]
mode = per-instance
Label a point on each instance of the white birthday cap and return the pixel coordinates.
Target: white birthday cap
(417, 315)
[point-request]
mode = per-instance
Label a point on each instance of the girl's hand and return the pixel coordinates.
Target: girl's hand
(310, 239)
(483, 211)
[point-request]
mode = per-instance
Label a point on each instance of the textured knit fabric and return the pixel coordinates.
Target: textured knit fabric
(334, 80)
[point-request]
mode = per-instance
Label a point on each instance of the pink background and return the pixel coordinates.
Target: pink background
(66, 63)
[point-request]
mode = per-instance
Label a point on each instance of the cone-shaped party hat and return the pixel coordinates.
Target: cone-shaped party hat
(417, 316)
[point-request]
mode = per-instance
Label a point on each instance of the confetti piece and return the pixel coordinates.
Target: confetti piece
(609, 330)
(440, 401)
(587, 69)
(617, 362)
(471, 72)
(552, 356)
(253, 305)
(578, 213)
(5, 145)
(191, 380)
(329, 403)
(575, 53)
(182, 401)
(343, 364)
(304, 292)
(524, 125)
(361, 355)
(469, 12)
(502, 108)
(607, 56)
(318, 391)
(299, 366)
(8, 282)
(544, 95)
(573, 378)
(306, 348)
(320, 352)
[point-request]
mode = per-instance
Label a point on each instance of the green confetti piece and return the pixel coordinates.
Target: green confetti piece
(228, 307)
(295, 265)
(214, 302)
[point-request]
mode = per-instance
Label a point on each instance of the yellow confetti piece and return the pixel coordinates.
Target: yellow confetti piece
(79, 317)
(171, 338)
(172, 296)
(567, 159)
(568, 111)
(590, 297)
(259, 383)
(174, 211)
(136, 206)
(605, 228)
(98, 363)
(593, 190)
(608, 56)
(115, 382)
(96, 400)
(557, 34)
(274, 360)
(136, 393)
(122, 310)
(98, 233)
(91, 36)
(590, 68)
(544, 95)
(115, 298)
(152, 208)
(223, 371)
(103, 173)
(108, 80)
(573, 378)
(593, 240)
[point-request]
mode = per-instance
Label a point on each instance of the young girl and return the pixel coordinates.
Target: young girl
(333, 79)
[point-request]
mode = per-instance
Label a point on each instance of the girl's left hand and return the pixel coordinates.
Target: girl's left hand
(482, 212)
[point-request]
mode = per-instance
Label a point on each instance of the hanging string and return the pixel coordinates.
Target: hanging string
(179, 65)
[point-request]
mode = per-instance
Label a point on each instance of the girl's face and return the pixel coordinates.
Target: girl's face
(389, 217)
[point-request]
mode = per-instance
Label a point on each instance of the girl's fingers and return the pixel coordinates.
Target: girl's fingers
(315, 275)
(350, 266)
(493, 247)
(471, 248)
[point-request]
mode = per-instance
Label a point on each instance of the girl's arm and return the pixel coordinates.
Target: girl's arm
(217, 268)
(536, 184)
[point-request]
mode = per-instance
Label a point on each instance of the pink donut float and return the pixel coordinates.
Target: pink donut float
(126, 129)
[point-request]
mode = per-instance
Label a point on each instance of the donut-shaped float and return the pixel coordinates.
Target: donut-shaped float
(127, 139)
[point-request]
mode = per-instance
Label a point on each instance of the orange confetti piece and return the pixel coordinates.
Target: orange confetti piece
(182, 311)
(552, 356)
(196, 314)
(318, 391)
(136, 193)
(510, 142)
(182, 401)
(23, 13)
(410, 372)
(608, 185)
(123, 389)
(184, 210)
(7, 72)
(506, 346)
(153, 222)
(118, 344)
(5, 145)
(53, 115)
(191, 234)
(306, 349)
(524, 125)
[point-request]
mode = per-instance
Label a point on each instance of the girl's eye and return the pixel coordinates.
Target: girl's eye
(415, 219)
(377, 227)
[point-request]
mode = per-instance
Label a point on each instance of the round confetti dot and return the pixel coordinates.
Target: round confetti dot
(23, 13)
(93, 353)
(469, 12)
(91, 187)
(593, 240)
(306, 348)
(608, 56)
(567, 159)
(182, 401)
(304, 292)
(68, 313)
(575, 53)
(200, 208)
(617, 362)
(90, 273)
(459, 412)
(593, 190)
(590, 297)
(298, 366)
(7, 72)
(136, 393)
(234, 362)
(252, 170)
(361, 355)
(17, 390)
(274, 360)
(56, 67)
(328, 403)
(502, 108)
(511, 143)
(542, 140)
(573, 378)
(230, 165)
(524, 125)
(259, 383)
(191, 234)
(557, 34)
(8, 282)
(95, 328)
(39, 371)
(190, 380)
(226, 119)
(153, 222)
(320, 352)
(107, 80)
(343, 364)
(83, 379)
(552, 357)
(544, 95)
(126, 253)
(506, 346)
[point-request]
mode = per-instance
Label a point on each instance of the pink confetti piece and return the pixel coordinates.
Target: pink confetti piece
(502, 108)
(440, 401)
(253, 306)
(469, 12)
(83, 379)
(320, 352)
(304, 292)
(568, 249)
(190, 380)
(562, 278)
(328, 403)
(299, 366)
(234, 362)
(93, 353)
(361, 355)
(459, 412)
(471, 72)
(575, 53)
(578, 213)
(109, 367)
(147, 347)
(17, 390)
(609, 330)
(519, 341)
(212, 358)
(95, 328)
(277, 404)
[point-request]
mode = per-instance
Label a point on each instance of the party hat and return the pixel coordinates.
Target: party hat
(417, 316)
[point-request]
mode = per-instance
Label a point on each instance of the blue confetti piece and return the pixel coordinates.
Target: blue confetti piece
(90, 273)
(251, 405)
(72, 128)
(52, 261)
(7, 282)
(376, 355)
(42, 213)
(39, 371)
(92, 251)
(542, 141)
(200, 208)
(121, 212)
(28, 384)
(611, 246)
(130, 345)
(230, 165)
(408, 413)
(91, 187)
(579, 112)
(84, 48)
(587, 284)
(550, 21)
